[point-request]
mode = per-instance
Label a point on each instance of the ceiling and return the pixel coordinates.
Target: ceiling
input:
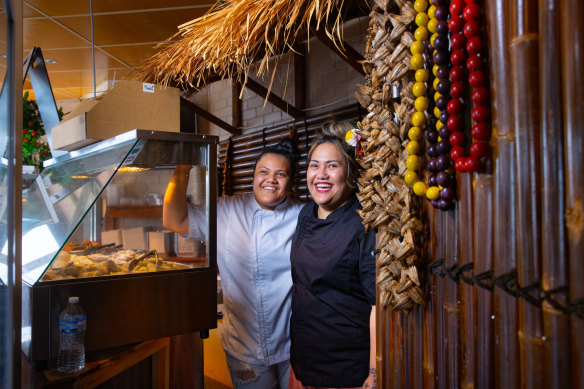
(124, 34)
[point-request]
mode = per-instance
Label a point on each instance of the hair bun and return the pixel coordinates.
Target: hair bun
(337, 129)
(287, 146)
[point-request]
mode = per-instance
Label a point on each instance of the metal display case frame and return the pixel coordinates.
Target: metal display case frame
(126, 308)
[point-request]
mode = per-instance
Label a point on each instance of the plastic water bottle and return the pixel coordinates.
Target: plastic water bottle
(72, 324)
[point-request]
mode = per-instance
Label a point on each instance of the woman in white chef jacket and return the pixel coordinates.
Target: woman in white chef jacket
(254, 232)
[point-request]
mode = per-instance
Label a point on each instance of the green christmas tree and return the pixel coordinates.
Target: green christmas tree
(35, 148)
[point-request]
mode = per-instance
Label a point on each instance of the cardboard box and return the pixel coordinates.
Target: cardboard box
(111, 236)
(128, 105)
(188, 247)
(135, 238)
(161, 241)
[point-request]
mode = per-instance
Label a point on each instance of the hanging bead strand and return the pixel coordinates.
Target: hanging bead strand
(418, 120)
(465, 25)
(443, 179)
(480, 113)
(431, 133)
(457, 77)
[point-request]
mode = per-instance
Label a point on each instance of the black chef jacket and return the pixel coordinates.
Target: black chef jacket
(333, 275)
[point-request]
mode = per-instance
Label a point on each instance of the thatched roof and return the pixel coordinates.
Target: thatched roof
(232, 36)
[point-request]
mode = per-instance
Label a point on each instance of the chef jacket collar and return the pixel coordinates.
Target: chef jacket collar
(337, 213)
(278, 209)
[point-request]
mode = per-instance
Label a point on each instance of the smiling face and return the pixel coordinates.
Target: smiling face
(271, 180)
(327, 178)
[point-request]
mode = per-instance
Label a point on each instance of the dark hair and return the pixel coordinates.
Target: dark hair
(334, 132)
(286, 148)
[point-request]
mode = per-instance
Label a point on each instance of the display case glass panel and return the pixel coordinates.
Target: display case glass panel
(69, 217)
(92, 228)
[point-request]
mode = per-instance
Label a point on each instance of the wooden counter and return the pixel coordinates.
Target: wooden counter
(103, 369)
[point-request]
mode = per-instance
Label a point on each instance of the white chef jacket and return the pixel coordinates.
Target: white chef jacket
(253, 256)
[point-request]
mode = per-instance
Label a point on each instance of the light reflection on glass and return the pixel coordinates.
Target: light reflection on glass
(133, 169)
(25, 334)
(31, 249)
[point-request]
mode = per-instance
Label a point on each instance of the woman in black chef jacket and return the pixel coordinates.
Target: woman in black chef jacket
(332, 327)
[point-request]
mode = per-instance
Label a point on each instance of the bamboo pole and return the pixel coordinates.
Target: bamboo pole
(451, 239)
(430, 335)
(406, 366)
(429, 341)
(416, 327)
(417, 360)
(505, 307)
(572, 37)
(397, 352)
(483, 260)
(465, 256)
(554, 256)
(384, 375)
(525, 76)
(441, 345)
(381, 350)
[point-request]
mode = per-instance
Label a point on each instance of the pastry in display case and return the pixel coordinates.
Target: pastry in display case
(92, 228)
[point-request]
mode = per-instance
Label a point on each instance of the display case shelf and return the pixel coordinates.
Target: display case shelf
(114, 212)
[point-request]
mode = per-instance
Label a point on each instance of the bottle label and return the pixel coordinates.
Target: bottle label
(74, 326)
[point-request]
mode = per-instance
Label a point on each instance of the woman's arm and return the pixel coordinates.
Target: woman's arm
(174, 211)
(371, 381)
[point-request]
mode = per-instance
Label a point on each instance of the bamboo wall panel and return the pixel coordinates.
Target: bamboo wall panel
(524, 50)
(556, 325)
(466, 299)
(429, 313)
(506, 368)
(417, 360)
(398, 376)
(451, 303)
(572, 36)
(441, 365)
(518, 226)
(483, 263)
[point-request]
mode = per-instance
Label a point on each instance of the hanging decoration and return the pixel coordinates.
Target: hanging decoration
(210, 46)
(440, 189)
(35, 148)
(388, 205)
(466, 27)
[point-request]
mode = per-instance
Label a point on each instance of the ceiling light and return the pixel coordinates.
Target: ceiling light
(50, 61)
(4, 55)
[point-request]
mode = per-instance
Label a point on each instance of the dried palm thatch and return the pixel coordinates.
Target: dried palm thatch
(233, 36)
(388, 204)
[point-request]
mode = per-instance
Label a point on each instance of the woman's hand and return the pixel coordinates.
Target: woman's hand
(371, 381)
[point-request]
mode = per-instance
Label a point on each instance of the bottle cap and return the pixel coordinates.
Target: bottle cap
(73, 300)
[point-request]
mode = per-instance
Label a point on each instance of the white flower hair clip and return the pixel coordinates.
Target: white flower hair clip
(353, 138)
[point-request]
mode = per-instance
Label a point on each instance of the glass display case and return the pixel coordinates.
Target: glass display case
(92, 227)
